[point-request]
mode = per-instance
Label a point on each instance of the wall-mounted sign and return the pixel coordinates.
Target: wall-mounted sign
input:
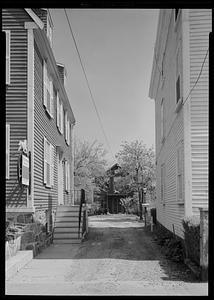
(25, 170)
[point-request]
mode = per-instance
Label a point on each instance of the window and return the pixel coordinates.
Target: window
(179, 174)
(67, 176)
(7, 56)
(49, 30)
(66, 126)
(48, 100)
(163, 183)
(162, 120)
(178, 75)
(48, 163)
(7, 151)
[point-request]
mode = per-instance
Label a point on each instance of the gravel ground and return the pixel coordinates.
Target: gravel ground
(117, 257)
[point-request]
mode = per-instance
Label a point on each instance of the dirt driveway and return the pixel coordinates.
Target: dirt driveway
(117, 258)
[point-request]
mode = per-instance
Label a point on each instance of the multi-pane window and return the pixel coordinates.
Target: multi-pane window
(7, 151)
(48, 99)
(178, 75)
(179, 174)
(7, 32)
(163, 183)
(48, 163)
(162, 119)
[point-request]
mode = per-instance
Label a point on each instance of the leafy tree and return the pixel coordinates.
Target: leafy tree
(89, 164)
(138, 164)
(126, 203)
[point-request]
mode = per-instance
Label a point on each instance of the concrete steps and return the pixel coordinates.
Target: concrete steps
(67, 225)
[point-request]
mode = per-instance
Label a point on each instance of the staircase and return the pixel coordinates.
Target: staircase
(67, 225)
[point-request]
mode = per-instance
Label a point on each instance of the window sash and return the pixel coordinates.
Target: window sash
(7, 151)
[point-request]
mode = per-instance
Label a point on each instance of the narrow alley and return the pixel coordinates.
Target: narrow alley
(118, 257)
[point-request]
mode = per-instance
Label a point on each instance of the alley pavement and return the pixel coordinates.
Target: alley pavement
(118, 257)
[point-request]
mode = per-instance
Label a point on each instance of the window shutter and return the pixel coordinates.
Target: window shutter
(62, 120)
(57, 111)
(45, 161)
(45, 83)
(7, 151)
(51, 99)
(68, 134)
(52, 165)
(66, 126)
(69, 177)
(7, 57)
(66, 175)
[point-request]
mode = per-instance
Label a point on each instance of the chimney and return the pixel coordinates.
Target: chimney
(62, 73)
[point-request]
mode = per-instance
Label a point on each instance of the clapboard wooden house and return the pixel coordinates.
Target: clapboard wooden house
(38, 111)
(179, 86)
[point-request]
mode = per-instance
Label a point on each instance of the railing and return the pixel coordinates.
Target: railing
(82, 202)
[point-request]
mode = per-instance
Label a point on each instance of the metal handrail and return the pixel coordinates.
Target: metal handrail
(82, 201)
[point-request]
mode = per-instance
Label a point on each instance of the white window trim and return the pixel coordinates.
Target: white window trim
(50, 161)
(67, 176)
(162, 120)
(163, 179)
(62, 118)
(178, 74)
(179, 172)
(7, 151)
(57, 111)
(8, 54)
(48, 86)
(66, 127)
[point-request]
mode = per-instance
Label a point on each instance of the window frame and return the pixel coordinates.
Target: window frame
(178, 78)
(48, 162)
(67, 176)
(179, 174)
(7, 151)
(162, 108)
(163, 179)
(48, 88)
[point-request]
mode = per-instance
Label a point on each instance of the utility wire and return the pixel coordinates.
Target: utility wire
(92, 98)
(199, 75)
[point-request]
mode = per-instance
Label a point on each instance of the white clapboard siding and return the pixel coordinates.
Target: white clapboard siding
(16, 93)
(200, 26)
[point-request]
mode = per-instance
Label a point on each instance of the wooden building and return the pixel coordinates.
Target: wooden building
(179, 87)
(38, 111)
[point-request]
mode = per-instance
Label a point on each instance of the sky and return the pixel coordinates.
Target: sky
(116, 47)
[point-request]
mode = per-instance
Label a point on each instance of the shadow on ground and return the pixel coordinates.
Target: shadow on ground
(127, 244)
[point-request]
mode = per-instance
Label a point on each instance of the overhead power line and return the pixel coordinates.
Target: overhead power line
(199, 75)
(86, 78)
